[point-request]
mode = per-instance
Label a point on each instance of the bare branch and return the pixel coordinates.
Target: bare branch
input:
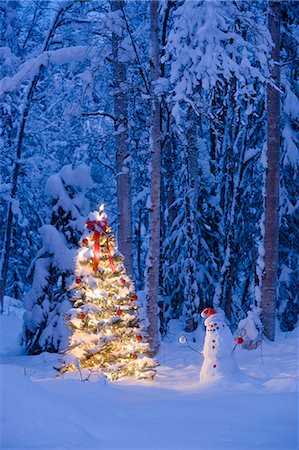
(143, 76)
(99, 113)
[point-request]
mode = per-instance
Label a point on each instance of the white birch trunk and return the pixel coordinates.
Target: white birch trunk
(152, 279)
(269, 286)
(123, 161)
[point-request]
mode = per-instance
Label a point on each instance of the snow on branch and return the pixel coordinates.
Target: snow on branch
(31, 67)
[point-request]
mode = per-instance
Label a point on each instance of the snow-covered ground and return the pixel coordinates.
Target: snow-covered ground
(258, 410)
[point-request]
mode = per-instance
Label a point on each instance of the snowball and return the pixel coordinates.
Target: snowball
(182, 340)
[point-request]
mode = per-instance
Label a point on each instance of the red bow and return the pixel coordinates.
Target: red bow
(103, 225)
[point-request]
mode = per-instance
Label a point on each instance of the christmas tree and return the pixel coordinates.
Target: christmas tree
(106, 321)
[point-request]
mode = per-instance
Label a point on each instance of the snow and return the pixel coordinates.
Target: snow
(39, 281)
(256, 411)
(201, 52)
(58, 187)
(55, 244)
(250, 328)
(77, 176)
(291, 155)
(31, 67)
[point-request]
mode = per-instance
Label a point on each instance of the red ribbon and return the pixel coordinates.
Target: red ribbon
(102, 224)
(96, 250)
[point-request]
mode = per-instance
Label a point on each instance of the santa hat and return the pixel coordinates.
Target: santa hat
(207, 312)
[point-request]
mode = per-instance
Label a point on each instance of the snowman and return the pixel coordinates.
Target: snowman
(218, 347)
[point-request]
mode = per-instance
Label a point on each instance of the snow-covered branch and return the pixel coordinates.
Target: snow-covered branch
(32, 66)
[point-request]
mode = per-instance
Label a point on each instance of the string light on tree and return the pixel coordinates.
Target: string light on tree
(106, 320)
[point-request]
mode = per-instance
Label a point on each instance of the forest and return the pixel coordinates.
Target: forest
(162, 136)
(78, 86)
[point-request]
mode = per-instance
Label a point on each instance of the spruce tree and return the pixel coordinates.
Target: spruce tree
(48, 298)
(107, 331)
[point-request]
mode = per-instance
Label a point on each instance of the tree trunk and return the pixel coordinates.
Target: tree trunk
(16, 168)
(191, 208)
(192, 156)
(269, 285)
(155, 148)
(123, 161)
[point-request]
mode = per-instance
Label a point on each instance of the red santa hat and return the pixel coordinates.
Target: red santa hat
(207, 312)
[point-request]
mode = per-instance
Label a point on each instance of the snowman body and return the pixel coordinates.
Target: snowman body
(218, 350)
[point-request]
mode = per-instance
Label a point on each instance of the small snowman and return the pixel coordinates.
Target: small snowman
(218, 350)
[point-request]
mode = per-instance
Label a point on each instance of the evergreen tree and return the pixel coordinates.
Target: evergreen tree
(218, 57)
(288, 297)
(107, 332)
(48, 299)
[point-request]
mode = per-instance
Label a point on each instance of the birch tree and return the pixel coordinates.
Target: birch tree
(123, 160)
(154, 210)
(269, 285)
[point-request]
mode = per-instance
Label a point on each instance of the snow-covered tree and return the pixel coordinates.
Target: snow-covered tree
(213, 75)
(218, 59)
(48, 299)
(123, 159)
(107, 329)
(17, 139)
(288, 299)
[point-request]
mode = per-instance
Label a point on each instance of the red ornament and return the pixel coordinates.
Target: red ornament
(85, 242)
(134, 298)
(118, 312)
(134, 356)
(213, 341)
(214, 366)
(123, 281)
(82, 316)
(239, 340)
(213, 346)
(138, 338)
(78, 280)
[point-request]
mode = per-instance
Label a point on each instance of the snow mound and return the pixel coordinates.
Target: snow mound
(244, 412)
(33, 417)
(284, 384)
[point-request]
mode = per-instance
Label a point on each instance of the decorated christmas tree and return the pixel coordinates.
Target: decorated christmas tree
(107, 330)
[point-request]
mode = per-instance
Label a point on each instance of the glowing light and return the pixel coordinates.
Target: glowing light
(106, 317)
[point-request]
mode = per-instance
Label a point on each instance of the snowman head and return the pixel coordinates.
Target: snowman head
(207, 312)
